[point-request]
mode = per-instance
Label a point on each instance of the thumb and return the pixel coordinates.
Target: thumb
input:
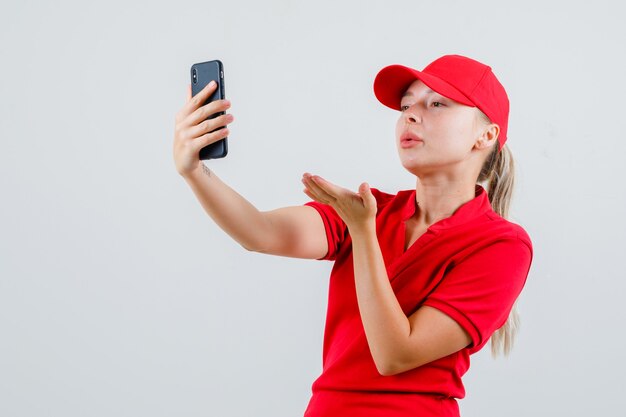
(366, 194)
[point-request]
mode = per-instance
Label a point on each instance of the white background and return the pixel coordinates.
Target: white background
(120, 297)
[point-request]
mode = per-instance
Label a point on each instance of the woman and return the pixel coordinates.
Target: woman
(423, 278)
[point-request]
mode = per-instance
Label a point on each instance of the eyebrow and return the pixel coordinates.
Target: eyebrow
(408, 93)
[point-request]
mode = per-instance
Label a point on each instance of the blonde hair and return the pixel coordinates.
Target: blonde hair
(498, 176)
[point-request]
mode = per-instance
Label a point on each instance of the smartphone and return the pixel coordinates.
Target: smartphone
(201, 74)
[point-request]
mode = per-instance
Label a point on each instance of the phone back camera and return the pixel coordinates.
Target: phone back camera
(195, 76)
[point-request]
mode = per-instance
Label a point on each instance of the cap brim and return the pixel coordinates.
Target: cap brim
(391, 82)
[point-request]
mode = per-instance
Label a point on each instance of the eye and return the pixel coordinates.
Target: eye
(438, 104)
(403, 108)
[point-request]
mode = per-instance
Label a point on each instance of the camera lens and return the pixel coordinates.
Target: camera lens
(195, 76)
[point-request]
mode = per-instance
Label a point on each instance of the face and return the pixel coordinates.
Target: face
(435, 133)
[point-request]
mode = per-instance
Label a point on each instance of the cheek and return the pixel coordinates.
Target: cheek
(399, 127)
(459, 131)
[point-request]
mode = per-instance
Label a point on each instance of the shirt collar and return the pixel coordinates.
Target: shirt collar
(475, 207)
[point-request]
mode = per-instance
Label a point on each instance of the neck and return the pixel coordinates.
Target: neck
(438, 199)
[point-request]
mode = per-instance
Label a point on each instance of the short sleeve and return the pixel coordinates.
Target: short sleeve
(479, 292)
(335, 228)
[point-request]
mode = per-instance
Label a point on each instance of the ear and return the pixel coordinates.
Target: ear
(488, 137)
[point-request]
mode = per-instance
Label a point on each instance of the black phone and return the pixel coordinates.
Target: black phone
(201, 74)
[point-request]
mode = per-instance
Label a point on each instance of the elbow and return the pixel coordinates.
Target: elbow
(247, 248)
(387, 361)
(250, 248)
(387, 371)
(387, 368)
(391, 368)
(253, 244)
(384, 371)
(248, 244)
(255, 247)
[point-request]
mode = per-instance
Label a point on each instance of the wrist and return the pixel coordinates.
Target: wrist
(363, 230)
(199, 171)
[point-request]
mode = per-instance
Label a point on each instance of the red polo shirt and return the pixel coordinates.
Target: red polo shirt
(471, 265)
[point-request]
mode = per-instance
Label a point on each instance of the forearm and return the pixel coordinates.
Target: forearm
(230, 211)
(386, 326)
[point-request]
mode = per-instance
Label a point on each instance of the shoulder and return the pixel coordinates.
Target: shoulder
(508, 230)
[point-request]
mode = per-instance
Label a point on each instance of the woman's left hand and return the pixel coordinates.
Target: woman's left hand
(358, 210)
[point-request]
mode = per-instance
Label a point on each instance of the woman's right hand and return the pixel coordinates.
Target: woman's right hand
(192, 128)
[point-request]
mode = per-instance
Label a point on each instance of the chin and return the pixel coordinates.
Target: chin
(419, 166)
(409, 159)
(414, 166)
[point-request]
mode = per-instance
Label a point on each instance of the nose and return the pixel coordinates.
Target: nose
(411, 116)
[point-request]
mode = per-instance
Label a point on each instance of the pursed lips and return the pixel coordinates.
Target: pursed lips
(409, 139)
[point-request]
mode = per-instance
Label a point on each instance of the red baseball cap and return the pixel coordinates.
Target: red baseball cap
(459, 78)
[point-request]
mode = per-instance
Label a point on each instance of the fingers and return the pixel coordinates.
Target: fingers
(202, 96)
(193, 130)
(196, 101)
(323, 191)
(209, 138)
(209, 125)
(314, 191)
(207, 110)
(192, 122)
(357, 210)
(329, 188)
(311, 195)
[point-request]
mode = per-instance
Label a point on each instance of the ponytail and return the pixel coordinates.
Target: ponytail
(498, 175)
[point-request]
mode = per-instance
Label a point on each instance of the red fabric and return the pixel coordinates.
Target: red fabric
(471, 265)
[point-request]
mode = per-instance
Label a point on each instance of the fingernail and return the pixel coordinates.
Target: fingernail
(212, 83)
